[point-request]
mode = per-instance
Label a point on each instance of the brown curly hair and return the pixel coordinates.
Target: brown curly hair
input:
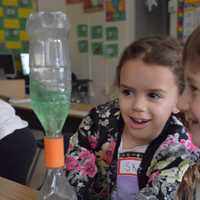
(155, 50)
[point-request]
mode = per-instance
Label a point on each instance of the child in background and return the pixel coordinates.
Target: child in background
(17, 145)
(134, 147)
(190, 103)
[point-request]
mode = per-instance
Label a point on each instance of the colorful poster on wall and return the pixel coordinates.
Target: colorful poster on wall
(112, 33)
(93, 5)
(188, 18)
(73, 1)
(192, 1)
(13, 17)
(115, 10)
(180, 17)
(96, 32)
(83, 46)
(97, 48)
(188, 22)
(111, 50)
(82, 30)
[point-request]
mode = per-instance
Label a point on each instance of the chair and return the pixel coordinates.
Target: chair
(13, 88)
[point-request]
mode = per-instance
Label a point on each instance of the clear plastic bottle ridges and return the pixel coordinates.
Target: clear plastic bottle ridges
(50, 91)
(56, 187)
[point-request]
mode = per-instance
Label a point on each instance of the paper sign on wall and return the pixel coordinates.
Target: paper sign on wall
(92, 5)
(83, 46)
(111, 33)
(96, 32)
(82, 30)
(13, 17)
(97, 48)
(111, 50)
(115, 10)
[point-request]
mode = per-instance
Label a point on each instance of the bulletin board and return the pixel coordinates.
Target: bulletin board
(188, 18)
(101, 38)
(13, 16)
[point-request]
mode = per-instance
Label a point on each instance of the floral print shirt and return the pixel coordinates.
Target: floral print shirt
(91, 160)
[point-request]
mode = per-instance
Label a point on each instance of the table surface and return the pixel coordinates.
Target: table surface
(76, 109)
(10, 190)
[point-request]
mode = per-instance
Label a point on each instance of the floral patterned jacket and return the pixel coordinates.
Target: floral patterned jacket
(91, 161)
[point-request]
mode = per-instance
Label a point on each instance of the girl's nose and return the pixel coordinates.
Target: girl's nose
(184, 101)
(139, 104)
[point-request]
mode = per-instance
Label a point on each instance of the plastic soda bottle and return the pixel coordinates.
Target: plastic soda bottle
(50, 92)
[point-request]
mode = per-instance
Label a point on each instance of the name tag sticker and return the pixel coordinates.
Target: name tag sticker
(128, 166)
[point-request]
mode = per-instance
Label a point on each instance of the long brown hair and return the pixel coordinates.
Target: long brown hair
(190, 181)
(191, 50)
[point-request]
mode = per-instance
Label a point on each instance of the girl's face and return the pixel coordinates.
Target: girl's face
(148, 96)
(190, 101)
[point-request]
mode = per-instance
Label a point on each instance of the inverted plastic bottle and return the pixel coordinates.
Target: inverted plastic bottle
(50, 92)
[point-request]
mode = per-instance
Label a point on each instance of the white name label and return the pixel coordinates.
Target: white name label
(128, 166)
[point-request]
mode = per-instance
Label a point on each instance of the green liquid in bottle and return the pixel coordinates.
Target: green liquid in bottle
(51, 107)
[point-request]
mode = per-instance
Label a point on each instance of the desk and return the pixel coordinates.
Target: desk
(77, 112)
(10, 190)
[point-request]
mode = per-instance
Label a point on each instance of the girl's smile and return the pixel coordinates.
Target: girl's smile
(138, 123)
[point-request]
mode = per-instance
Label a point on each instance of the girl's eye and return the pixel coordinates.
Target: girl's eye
(126, 92)
(154, 96)
(193, 88)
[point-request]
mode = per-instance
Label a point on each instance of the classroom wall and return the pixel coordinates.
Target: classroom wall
(99, 69)
(51, 5)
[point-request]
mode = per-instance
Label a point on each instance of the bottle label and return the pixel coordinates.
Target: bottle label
(54, 152)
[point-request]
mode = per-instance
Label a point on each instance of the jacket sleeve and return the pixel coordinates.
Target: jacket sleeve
(166, 171)
(80, 161)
